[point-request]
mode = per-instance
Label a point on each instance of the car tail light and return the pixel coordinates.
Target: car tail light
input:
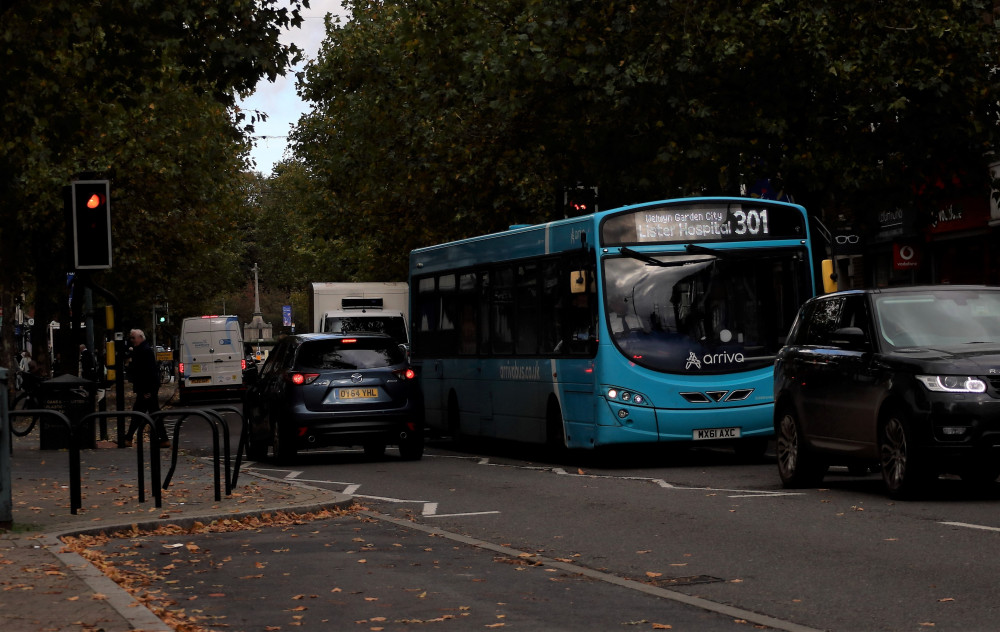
(300, 379)
(405, 374)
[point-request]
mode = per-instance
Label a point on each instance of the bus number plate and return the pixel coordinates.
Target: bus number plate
(716, 433)
(357, 393)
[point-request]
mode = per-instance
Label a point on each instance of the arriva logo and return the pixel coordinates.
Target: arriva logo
(692, 361)
(713, 358)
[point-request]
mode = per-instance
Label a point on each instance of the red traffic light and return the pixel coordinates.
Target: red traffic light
(90, 224)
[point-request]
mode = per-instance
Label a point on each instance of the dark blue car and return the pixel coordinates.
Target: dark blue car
(319, 390)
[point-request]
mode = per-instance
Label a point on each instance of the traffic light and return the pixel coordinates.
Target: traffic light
(580, 200)
(91, 211)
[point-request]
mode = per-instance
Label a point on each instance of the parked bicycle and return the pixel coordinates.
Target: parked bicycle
(28, 398)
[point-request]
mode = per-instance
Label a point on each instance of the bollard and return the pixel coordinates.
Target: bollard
(6, 499)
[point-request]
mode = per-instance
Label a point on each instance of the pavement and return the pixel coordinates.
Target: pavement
(46, 587)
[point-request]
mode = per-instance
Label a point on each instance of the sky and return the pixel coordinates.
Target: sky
(279, 100)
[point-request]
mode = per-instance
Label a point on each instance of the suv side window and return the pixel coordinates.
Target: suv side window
(825, 318)
(854, 314)
(274, 359)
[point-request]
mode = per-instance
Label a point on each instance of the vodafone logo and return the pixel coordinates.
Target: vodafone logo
(905, 257)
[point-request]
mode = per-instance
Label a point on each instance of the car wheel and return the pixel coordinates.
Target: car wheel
(284, 449)
(412, 447)
(797, 465)
(256, 449)
(902, 470)
(374, 449)
(256, 445)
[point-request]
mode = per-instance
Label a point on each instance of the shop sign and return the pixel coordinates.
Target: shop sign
(905, 257)
(964, 214)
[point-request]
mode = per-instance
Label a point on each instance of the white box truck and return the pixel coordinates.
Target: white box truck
(356, 307)
(211, 359)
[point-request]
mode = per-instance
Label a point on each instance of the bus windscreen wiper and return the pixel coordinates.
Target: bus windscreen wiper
(653, 261)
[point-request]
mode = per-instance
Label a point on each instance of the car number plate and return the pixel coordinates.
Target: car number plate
(716, 433)
(357, 393)
(200, 380)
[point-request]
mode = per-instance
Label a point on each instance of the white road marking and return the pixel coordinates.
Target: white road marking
(665, 593)
(971, 526)
(430, 508)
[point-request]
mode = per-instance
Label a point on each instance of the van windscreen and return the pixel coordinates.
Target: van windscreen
(391, 325)
(360, 354)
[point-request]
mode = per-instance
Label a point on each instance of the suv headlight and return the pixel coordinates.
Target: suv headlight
(953, 383)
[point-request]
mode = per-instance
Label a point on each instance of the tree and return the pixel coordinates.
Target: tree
(433, 120)
(143, 95)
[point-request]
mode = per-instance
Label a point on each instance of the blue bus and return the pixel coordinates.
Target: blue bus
(655, 322)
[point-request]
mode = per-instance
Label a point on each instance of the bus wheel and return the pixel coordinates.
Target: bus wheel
(555, 433)
(454, 420)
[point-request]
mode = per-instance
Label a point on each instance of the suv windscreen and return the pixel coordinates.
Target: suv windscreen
(362, 353)
(938, 318)
(684, 313)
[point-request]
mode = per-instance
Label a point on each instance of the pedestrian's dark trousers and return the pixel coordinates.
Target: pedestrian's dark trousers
(146, 405)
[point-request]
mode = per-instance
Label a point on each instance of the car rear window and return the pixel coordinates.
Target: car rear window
(350, 353)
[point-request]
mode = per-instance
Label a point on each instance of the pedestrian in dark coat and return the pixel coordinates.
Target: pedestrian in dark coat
(144, 373)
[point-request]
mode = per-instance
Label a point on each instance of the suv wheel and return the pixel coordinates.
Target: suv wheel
(284, 450)
(797, 466)
(902, 471)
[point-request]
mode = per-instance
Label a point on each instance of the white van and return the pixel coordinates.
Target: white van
(212, 360)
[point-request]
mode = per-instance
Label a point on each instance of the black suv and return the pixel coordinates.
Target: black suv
(904, 379)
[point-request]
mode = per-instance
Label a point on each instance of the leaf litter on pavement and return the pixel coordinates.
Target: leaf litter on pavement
(143, 566)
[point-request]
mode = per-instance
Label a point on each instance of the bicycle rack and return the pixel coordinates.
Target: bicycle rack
(244, 437)
(154, 452)
(75, 495)
(214, 419)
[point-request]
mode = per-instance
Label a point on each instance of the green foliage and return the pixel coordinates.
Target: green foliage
(434, 120)
(142, 94)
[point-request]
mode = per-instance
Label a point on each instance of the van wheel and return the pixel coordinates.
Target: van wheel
(284, 448)
(797, 465)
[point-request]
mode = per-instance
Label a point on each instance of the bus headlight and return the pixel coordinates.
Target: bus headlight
(627, 396)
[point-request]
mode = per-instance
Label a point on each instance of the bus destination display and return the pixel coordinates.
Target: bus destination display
(703, 222)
